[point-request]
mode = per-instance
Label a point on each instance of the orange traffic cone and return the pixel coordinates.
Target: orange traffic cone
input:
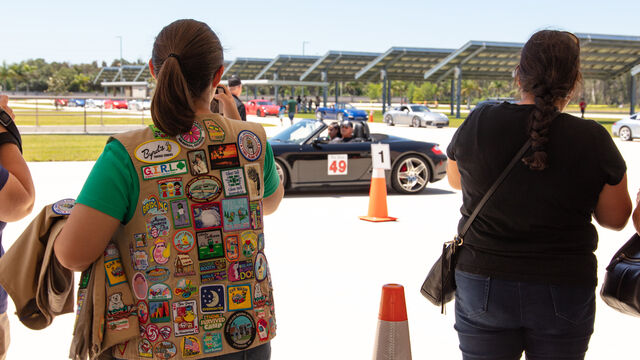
(371, 116)
(392, 334)
(378, 198)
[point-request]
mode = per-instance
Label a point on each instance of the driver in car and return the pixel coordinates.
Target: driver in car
(346, 131)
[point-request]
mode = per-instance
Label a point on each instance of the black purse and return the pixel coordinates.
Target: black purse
(440, 285)
(621, 286)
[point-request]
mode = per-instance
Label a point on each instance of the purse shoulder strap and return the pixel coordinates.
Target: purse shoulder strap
(492, 189)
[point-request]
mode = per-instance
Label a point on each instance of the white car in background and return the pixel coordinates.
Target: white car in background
(139, 105)
(416, 116)
(627, 128)
(94, 103)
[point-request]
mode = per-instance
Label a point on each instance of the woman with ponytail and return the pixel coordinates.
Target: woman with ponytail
(526, 272)
(151, 222)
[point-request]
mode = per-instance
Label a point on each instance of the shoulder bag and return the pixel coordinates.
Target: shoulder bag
(439, 287)
(621, 286)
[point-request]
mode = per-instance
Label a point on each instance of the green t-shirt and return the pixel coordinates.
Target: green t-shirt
(113, 188)
(292, 105)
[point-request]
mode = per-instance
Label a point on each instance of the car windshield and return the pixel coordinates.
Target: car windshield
(348, 106)
(298, 132)
(264, 103)
(420, 108)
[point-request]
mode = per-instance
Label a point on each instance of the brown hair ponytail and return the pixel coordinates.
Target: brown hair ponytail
(549, 70)
(186, 56)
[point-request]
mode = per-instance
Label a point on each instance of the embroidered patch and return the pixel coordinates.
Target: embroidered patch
(240, 340)
(180, 214)
(145, 348)
(185, 318)
(239, 297)
(198, 162)
(140, 239)
(157, 226)
(169, 188)
(215, 131)
(121, 348)
(111, 252)
(236, 214)
(259, 298)
(232, 249)
(248, 243)
(152, 332)
(255, 209)
(143, 312)
(185, 289)
(159, 291)
(153, 206)
(213, 277)
(165, 350)
(254, 181)
(161, 252)
(260, 242)
(165, 332)
(190, 346)
(139, 259)
(213, 265)
(157, 151)
(159, 311)
(209, 244)
(183, 241)
(114, 272)
(263, 330)
(140, 286)
(206, 216)
(158, 171)
(193, 138)
(157, 133)
(118, 313)
(157, 274)
(250, 145)
(233, 182)
(84, 278)
(240, 270)
(210, 322)
(184, 266)
(63, 207)
(212, 298)
(211, 342)
(204, 188)
(223, 156)
(261, 267)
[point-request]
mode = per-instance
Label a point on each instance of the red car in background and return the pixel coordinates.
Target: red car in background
(261, 108)
(115, 104)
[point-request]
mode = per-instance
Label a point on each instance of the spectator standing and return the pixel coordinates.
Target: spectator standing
(17, 195)
(583, 107)
(292, 105)
(235, 87)
(317, 102)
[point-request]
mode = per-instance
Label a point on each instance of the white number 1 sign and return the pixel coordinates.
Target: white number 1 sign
(380, 156)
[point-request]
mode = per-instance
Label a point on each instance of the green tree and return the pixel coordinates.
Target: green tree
(374, 91)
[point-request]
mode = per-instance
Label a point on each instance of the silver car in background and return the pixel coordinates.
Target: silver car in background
(627, 128)
(416, 116)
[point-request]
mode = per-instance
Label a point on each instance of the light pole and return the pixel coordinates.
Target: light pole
(304, 42)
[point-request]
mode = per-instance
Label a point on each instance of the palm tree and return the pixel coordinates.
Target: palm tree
(21, 73)
(469, 89)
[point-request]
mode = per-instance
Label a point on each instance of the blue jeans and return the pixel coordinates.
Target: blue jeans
(498, 319)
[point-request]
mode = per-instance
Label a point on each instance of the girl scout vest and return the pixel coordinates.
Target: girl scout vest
(193, 253)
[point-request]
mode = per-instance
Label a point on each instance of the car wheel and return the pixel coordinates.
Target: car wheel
(340, 117)
(415, 122)
(319, 115)
(410, 174)
(625, 134)
(282, 174)
(259, 113)
(389, 120)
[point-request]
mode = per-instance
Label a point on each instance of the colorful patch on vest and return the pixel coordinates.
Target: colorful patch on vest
(193, 138)
(259, 298)
(185, 289)
(157, 274)
(185, 318)
(161, 252)
(84, 278)
(210, 322)
(214, 130)
(261, 312)
(115, 272)
(157, 133)
(206, 216)
(63, 207)
(249, 145)
(233, 182)
(198, 162)
(260, 242)
(236, 214)
(223, 156)
(261, 267)
(232, 249)
(143, 311)
(209, 244)
(204, 188)
(248, 243)
(145, 348)
(239, 297)
(213, 265)
(159, 311)
(240, 330)
(157, 226)
(140, 239)
(180, 214)
(158, 171)
(153, 206)
(213, 277)
(111, 252)
(254, 181)
(212, 298)
(240, 270)
(118, 313)
(140, 286)
(255, 209)
(152, 332)
(157, 151)
(184, 266)
(211, 342)
(165, 350)
(159, 291)
(183, 241)
(165, 332)
(190, 346)
(263, 330)
(119, 349)
(139, 259)
(170, 188)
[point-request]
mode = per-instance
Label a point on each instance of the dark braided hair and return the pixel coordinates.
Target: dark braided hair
(549, 70)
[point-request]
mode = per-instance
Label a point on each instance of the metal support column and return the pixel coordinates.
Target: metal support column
(453, 91)
(336, 93)
(383, 77)
(255, 92)
(458, 75)
(325, 89)
(276, 88)
(632, 96)
(388, 93)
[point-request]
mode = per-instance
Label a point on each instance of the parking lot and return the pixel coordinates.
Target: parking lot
(328, 266)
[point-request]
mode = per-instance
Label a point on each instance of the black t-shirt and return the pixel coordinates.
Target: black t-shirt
(537, 225)
(241, 108)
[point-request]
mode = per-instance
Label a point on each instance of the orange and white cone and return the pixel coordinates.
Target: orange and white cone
(378, 198)
(392, 334)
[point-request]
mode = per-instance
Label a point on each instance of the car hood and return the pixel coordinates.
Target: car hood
(356, 112)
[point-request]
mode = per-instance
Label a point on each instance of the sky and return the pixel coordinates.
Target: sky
(85, 31)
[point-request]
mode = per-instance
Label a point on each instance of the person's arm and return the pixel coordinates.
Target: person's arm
(636, 214)
(228, 107)
(453, 174)
(614, 206)
(272, 202)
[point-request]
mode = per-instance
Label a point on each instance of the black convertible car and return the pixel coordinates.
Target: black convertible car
(302, 154)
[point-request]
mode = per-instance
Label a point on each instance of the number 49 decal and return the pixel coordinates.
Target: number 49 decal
(337, 164)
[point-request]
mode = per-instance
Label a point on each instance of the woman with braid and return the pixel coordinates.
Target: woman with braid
(526, 272)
